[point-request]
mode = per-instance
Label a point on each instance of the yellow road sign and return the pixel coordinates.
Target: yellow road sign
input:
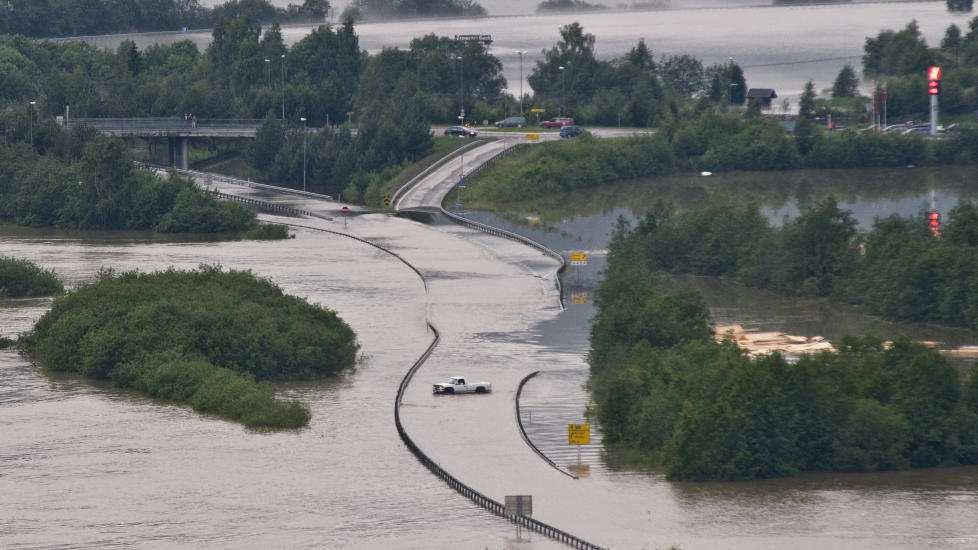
(579, 298)
(578, 258)
(579, 434)
(537, 110)
(533, 137)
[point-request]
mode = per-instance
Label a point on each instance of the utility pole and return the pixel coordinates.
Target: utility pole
(283, 87)
(268, 70)
(521, 52)
(561, 110)
(461, 91)
(30, 122)
(303, 119)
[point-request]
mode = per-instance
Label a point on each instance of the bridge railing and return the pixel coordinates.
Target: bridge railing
(158, 123)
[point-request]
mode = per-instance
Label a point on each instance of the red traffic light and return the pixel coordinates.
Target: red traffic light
(933, 87)
(934, 215)
(934, 73)
(934, 220)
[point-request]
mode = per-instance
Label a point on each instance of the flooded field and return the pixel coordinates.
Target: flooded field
(764, 40)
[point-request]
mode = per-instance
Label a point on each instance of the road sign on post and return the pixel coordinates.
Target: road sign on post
(578, 258)
(485, 39)
(579, 434)
(521, 505)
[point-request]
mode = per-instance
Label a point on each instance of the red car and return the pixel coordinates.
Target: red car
(557, 123)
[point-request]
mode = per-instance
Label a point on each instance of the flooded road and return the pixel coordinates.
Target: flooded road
(90, 464)
(764, 40)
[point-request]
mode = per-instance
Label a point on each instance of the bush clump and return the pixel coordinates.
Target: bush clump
(268, 232)
(209, 338)
(22, 278)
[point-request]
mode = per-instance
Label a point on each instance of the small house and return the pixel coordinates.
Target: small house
(761, 96)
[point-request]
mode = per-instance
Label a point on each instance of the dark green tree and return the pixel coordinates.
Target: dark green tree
(846, 83)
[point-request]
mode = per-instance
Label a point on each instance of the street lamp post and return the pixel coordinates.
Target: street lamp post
(461, 92)
(268, 71)
(303, 119)
(561, 68)
(521, 52)
(30, 122)
(283, 87)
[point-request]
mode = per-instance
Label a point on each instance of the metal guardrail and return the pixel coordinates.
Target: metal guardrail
(526, 438)
(494, 506)
(163, 123)
(518, 238)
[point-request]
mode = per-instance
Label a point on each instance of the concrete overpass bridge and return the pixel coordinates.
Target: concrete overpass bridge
(177, 131)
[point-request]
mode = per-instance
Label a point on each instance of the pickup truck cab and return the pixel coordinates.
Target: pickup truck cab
(457, 384)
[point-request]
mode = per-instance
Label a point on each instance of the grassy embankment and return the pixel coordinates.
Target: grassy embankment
(208, 338)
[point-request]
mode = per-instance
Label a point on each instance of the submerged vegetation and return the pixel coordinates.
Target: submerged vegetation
(23, 278)
(707, 411)
(208, 338)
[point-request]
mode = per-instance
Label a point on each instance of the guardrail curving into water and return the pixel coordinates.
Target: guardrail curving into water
(493, 506)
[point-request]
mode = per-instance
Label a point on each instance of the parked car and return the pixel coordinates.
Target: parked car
(461, 131)
(457, 384)
(571, 131)
(511, 122)
(559, 122)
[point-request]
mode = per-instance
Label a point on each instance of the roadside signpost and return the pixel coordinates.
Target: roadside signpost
(533, 136)
(519, 505)
(579, 298)
(345, 211)
(485, 39)
(578, 258)
(579, 434)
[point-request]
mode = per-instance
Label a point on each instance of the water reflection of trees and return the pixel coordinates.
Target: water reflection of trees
(771, 190)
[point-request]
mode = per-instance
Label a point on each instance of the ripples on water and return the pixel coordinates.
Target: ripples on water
(86, 465)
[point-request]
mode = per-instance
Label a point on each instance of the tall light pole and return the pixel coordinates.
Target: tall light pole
(283, 87)
(30, 122)
(521, 52)
(268, 71)
(561, 68)
(461, 91)
(303, 119)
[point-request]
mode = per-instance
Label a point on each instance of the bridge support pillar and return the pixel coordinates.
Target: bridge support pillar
(184, 153)
(178, 151)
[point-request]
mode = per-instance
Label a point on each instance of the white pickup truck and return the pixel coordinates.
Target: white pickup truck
(457, 384)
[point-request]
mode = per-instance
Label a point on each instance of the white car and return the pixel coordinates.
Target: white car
(457, 384)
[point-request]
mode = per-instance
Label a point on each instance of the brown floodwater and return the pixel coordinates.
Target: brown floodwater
(82, 464)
